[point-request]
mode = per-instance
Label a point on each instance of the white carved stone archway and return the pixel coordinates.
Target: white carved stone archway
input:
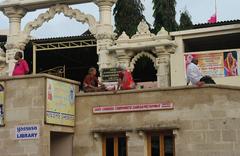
(68, 12)
(142, 54)
(18, 38)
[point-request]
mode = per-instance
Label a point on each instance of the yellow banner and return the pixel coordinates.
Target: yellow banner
(60, 107)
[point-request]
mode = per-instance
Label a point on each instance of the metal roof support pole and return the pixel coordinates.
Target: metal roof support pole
(34, 59)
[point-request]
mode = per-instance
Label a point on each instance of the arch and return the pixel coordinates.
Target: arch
(139, 55)
(68, 12)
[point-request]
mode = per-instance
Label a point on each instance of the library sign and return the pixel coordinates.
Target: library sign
(26, 132)
(133, 108)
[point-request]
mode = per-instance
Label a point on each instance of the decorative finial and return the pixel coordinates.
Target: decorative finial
(123, 36)
(163, 32)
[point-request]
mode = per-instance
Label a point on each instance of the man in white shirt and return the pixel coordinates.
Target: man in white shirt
(193, 73)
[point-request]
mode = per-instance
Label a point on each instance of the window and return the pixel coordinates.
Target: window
(160, 143)
(115, 145)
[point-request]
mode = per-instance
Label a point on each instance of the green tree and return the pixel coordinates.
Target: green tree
(128, 14)
(164, 14)
(185, 21)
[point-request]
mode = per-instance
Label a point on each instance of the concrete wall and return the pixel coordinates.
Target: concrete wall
(205, 120)
(25, 105)
(208, 120)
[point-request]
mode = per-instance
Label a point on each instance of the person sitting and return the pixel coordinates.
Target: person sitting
(125, 79)
(195, 76)
(21, 66)
(91, 82)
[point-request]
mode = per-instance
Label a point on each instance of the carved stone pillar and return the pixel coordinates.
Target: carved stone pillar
(163, 64)
(105, 35)
(105, 59)
(163, 51)
(3, 64)
(14, 44)
(124, 58)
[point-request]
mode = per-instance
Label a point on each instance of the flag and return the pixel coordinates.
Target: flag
(213, 19)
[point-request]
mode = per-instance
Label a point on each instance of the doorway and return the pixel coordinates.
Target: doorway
(144, 70)
(114, 145)
(61, 144)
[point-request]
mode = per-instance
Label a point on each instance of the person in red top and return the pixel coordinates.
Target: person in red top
(21, 66)
(125, 79)
(91, 83)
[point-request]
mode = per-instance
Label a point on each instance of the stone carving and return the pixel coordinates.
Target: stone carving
(68, 12)
(163, 32)
(104, 2)
(17, 42)
(3, 64)
(14, 13)
(103, 36)
(142, 54)
(123, 36)
(143, 31)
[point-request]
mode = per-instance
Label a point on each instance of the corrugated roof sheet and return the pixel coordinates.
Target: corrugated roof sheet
(85, 35)
(220, 23)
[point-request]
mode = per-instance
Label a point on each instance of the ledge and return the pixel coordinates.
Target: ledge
(160, 126)
(81, 94)
(205, 30)
(7, 78)
(164, 125)
(108, 129)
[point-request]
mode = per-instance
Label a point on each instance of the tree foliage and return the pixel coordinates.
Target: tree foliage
(128, 14)
(185, 21)
(164, 14)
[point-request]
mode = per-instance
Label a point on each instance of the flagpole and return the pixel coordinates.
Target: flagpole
(216, 8)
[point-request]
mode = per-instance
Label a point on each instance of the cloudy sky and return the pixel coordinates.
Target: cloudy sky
(200, 10)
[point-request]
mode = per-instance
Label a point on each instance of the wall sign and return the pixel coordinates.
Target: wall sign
(132, 108)
(110, 74)
(60, 108)
(24, 132)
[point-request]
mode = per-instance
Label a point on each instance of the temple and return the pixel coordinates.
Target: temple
(45, 113)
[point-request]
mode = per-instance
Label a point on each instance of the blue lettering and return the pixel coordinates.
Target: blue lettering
(19, 129)
(27, 135)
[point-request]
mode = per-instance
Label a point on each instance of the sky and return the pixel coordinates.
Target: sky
(200, 11)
